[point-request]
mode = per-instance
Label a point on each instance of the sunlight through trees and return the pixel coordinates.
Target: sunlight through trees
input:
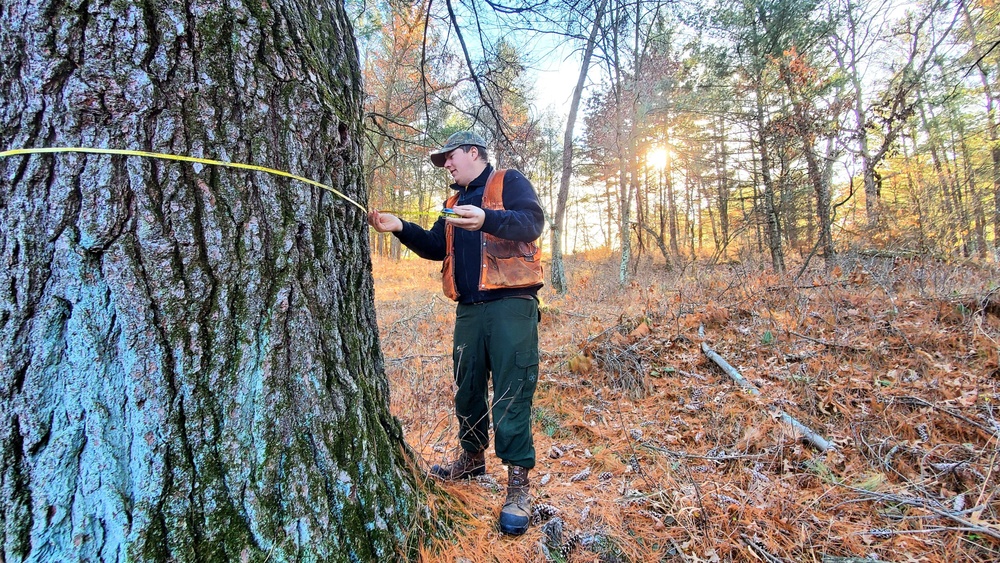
(796, 129)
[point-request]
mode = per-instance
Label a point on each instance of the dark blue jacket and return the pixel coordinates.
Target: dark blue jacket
(522, 220)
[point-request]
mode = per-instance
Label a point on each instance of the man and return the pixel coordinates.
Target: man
(492, 268)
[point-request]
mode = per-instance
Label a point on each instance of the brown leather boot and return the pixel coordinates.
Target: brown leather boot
(467, 465)
(516, 512)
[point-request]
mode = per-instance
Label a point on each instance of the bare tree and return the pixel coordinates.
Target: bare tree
(889, 112)
(981, 64)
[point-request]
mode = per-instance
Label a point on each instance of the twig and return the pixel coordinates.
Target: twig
(565, 313)
(925, 530)
(989, 475)
(800, 356)
(416, 356)
(691, 374)
(932, 507)
(685, 455)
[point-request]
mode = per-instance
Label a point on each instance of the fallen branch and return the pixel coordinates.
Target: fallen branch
(732, 372)
(920, 402)
(813, 438)
(985, 528)
(401, 359)
(719, 458)
(903, 254)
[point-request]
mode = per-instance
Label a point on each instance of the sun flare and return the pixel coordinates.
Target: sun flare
(657, 158)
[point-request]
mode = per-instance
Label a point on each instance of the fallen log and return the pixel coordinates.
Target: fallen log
(813, 438)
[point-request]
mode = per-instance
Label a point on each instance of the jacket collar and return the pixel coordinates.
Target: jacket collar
(479, 182)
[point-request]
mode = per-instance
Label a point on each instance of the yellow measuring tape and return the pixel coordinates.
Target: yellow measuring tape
(181, 158)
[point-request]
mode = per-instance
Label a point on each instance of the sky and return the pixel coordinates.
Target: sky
(556, 76)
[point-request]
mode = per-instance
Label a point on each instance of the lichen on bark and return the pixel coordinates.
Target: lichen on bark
(189, 365)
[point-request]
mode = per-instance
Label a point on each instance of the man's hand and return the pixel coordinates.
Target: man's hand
(384, 222)
(471, 217)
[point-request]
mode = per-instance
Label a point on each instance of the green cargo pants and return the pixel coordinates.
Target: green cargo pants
(498, 338)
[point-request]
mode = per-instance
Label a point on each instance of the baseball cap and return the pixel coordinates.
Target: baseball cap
(456, 140)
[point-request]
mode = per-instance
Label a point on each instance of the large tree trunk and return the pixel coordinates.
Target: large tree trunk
(188, 363)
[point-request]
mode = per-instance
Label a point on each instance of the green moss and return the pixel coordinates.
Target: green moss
(264, 16)
(152, 543)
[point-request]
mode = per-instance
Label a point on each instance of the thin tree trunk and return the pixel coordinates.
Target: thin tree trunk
(190, 366)
(558, 274)
(609, 216)
(786, 192)
(992, 125)
(868, 162)
(625, 184)
(640, 203)
(624, 146)
(672, 210)
(770, 211)
(912, 188)
(952, 236)
(698, 215)
(977, 211)
(723, 193)
(691, 212)
(960, 205)
(821, 190)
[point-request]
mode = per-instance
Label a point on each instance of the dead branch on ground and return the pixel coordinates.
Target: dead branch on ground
(808, 434)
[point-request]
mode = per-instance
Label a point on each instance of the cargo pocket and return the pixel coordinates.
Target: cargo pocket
(503, 248)
(527, 363)
(511, 263)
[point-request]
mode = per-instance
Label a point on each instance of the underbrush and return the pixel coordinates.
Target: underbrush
(648, 451)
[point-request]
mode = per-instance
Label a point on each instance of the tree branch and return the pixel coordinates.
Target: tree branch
(812, 437)
(472, 72)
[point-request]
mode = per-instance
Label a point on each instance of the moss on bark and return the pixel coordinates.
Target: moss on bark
(191, 356)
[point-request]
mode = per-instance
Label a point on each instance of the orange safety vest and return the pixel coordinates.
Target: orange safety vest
(506, 263)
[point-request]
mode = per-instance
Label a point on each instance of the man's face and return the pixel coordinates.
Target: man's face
(464, 166)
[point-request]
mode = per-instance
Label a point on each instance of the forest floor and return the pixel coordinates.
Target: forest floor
(648, 451)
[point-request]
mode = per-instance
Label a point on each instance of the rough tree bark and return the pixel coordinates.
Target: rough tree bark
(189, 366)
